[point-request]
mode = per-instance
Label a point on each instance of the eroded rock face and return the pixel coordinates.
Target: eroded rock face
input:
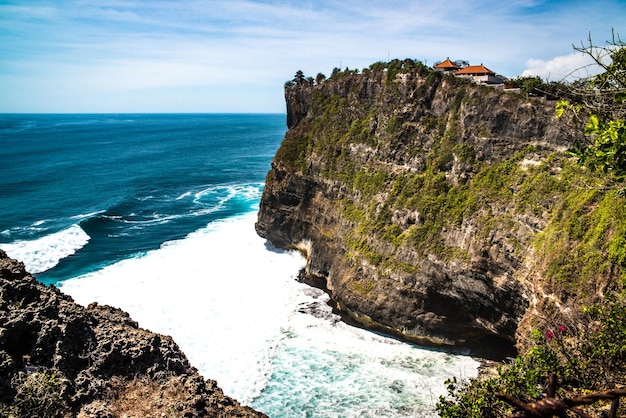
(338, 186)
(59, 358)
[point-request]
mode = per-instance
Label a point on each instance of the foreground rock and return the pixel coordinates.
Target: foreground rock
(58, 358)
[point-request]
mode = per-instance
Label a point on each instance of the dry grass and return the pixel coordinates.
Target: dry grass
(142, 398)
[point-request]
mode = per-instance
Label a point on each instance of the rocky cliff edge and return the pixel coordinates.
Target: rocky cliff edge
(58, 358)
(422, 203)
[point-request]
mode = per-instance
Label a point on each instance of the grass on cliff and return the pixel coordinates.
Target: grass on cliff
(143, 397)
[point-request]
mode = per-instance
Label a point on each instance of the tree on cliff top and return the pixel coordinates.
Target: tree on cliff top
(299, 78)
(602, 100)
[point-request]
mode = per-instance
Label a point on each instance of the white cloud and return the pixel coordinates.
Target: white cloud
(562, 68)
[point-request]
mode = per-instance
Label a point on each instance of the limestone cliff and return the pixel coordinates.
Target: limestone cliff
(423, 202)
(60, 359)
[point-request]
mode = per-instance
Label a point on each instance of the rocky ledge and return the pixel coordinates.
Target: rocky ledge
(58, 358)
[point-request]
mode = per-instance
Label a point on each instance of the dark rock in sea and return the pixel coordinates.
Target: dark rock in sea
(58, 358)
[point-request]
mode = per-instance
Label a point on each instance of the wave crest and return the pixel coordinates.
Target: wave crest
(43, 253)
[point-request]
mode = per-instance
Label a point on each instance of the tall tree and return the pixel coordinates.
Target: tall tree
(299, 78)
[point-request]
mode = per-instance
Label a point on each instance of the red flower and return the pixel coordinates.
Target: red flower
(561, 328)
(549, 335)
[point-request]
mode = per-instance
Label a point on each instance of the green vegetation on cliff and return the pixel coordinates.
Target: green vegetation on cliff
(584, 224)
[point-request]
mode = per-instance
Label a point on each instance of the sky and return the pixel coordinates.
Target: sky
(206, 56)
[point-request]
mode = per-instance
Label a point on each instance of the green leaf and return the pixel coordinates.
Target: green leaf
(561, 107)
(592, 127)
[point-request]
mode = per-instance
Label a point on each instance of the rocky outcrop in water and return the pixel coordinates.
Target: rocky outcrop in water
(61, 359)
(405, 189)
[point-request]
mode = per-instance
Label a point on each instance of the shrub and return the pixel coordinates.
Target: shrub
(586, 351)
(39, 393)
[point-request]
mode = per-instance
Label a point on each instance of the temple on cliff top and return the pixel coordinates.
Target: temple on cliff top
(477, 73)
(447, 66)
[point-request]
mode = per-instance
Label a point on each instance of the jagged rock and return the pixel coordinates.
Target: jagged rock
(59, 358)
(322, 195)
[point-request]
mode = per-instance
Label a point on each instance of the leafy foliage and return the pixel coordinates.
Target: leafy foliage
(528, 85)
(536, 86)
(587, 351)
(605, 148)
(602, 100)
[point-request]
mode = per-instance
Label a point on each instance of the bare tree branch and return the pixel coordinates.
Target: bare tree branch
(550, 406)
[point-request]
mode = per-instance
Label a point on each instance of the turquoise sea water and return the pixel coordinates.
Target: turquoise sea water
(129, 182)
(155, 214)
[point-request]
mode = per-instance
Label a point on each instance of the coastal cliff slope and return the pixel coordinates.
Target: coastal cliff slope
(430, 207)
(58, 358)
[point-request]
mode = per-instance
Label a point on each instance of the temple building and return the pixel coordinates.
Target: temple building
(447, 66)
(479, 74)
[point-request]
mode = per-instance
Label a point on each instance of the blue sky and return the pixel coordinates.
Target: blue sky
(234, 56)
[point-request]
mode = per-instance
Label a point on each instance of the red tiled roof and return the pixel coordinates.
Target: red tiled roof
(446, 64)
(475, 70)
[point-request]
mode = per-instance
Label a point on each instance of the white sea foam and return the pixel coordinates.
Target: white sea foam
(43, 253)
(327, 368)
(35, 227)
(233, 306)
(82, 216)
(224, 193)
(184, 195)
(219, 292)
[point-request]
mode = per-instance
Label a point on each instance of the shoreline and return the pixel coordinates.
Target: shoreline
(486, 351)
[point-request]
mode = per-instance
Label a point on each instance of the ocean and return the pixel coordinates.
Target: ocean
(154, 214)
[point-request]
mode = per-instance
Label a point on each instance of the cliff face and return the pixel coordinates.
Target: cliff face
(418, 199)
(60, 359)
